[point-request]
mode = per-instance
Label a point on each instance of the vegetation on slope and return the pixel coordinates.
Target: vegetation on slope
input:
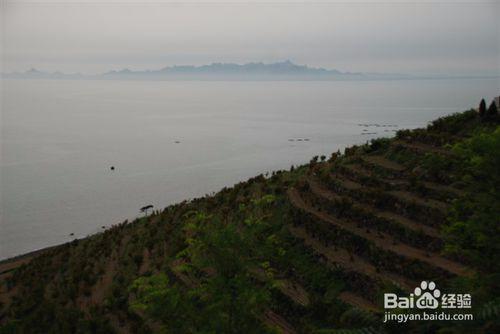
(310, 250)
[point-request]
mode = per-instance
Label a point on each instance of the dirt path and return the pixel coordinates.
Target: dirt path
(384, 163)
(321, 191)
(346, 183)
(383, 240)
(349, 261)
(405, 196)
(412, 198)
(274, 320)
(8, 266)
(294, 291)
(17, 261)
(411, 224)
(291, 289)
(444, 188)
(423, 148)
(363, 172)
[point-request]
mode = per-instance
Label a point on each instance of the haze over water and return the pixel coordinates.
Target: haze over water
(59, 139)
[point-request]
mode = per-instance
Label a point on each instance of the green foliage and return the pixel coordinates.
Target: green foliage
(474, 229)
(438, 167)
(356, 321)
(490, 310)
(221, 256)
(378, 144)
(161, 300)
(454, 123)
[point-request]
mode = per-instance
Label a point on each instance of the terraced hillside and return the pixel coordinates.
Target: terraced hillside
(310, 250)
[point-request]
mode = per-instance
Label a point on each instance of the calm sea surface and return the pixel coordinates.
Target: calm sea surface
(59, 139)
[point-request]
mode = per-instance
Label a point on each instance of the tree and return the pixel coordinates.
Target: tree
(482, 107)
(160, 299)
(492, 109)
(227, 251)
(221, 255)
(474, 231)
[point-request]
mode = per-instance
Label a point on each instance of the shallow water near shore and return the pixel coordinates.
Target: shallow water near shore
(171, 141)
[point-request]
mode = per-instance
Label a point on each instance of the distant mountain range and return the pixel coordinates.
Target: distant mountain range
(285, 70)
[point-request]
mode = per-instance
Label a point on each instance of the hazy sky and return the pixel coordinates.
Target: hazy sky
(454, 37)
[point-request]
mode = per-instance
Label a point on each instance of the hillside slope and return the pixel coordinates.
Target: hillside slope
(310, 250)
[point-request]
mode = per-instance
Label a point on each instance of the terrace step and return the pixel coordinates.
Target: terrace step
(349, 261)
(383, 162)
(363, 172)
(269, 317)
(383, 240)
(323, 192)
(10, 264)
(274, 320)
(291, 289)
(412, 198)
(347, 184)
(398, 195)
(444, 188)
(422, 148)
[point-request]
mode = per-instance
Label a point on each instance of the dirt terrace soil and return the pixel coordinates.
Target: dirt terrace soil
(382, 240)
(349, 261)
(322, 191)
(421, 147)
(383, 162)
(400, 195)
